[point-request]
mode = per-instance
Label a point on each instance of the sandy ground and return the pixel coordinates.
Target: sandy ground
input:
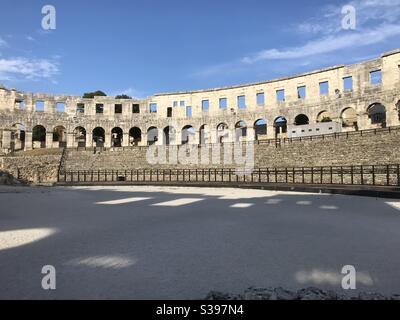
(180, 243)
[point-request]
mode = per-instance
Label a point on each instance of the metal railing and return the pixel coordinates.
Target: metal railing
(375, 175)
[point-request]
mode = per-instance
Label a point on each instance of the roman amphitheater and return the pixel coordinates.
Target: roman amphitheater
(347, 115)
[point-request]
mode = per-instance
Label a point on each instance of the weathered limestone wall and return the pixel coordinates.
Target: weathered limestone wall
(32, 168)
(367, 149)
(336, 104)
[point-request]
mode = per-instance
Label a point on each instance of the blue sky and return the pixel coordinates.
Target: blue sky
(151, 46)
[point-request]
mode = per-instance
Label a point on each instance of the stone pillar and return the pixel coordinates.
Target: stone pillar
(196, 138)
(160, 137)
(89, 139)
(49, 140)
(107, 140)
(143, 142)
(71, 140)
(214, 138)
(363, 121)
(232, 135)
(178, 137)
(28, 140)
(6, 140)
(250, 134)
(125, 140)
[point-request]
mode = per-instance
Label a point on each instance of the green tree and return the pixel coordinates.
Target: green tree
(123, 96)
(91, 95)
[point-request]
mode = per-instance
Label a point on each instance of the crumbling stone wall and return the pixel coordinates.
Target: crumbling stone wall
(32, 168)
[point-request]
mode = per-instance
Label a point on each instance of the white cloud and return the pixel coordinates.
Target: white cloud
(322, 34)
(27, 69)
(29, 38)
(328, 44)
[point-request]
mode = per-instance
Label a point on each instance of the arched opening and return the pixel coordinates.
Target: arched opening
(116, 137)
(80, 137)
(135, 136)
(260, 128)
(169, 135)
(152, 135)
(349, 118)
(204, 134)
(301, 120)
(38, 137)
(240, 130)
(377, 114)
(188, 134)
(99, 136)
(222, 132)
(280, 125)
(18, 137)
(60, 136)
(324, 116)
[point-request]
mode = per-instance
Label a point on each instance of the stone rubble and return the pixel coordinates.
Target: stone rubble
(310, 293)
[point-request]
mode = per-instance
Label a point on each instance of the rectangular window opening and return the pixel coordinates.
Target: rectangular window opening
(280, 95)
(348, 83)
(189, 111)
(135, 108)
(376, 77)
(205, 105)
(301, 92)
(260, 98)
(241, 102)
(39, 106)
(99, 108)
(324, 88)
(60, 107)
(153, 107)
(80, 108)
(118, 108)
(223, 104)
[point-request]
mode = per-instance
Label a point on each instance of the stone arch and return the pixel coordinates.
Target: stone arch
(60, 136)
(222, 132)
(117, 135)
(260, 128)
(240, 130)
(324, 116)
(152, 135)
(377, 114)
(99, 136)
(18, 131)
(301, 120)
(280, 124)
(135, 136)
(349, 118)
(188, 133)
(79, 137)
(169, 135)
(38, 137)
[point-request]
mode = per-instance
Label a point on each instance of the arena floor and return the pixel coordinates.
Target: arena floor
(180, 243)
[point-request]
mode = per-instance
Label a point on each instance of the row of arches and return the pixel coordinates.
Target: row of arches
(349, 118)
